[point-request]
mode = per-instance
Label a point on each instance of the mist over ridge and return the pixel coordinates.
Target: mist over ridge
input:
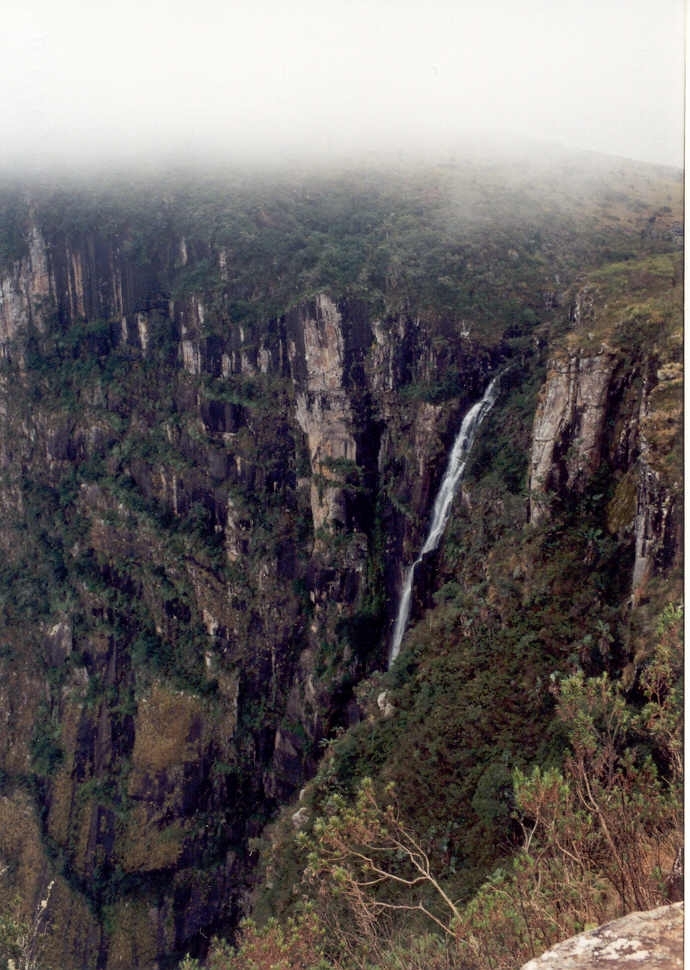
(156, 83)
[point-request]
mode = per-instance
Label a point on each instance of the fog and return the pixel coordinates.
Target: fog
(271, 80)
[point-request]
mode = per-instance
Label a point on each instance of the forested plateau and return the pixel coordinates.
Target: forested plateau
(227, 400)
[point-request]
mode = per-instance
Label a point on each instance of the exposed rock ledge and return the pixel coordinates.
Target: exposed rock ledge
(653, 940)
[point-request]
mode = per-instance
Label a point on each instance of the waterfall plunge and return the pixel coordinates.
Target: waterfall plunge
(454, 472)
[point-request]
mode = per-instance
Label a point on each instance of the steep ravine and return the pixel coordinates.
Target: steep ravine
(207, 512)
(206, 519)
(538, 577)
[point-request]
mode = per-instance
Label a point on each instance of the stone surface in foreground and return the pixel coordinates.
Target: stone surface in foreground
(653, 940)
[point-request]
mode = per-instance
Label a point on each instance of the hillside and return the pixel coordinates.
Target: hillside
(227, 402)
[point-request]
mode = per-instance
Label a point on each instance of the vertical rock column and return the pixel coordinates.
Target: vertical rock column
(568, 435)
(324, 412)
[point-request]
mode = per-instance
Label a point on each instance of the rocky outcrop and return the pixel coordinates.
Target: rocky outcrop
(652, 939)
(655, 532)
(659, 479)
(601, 408)
(324, 412)
(25, 291)
(568, 434)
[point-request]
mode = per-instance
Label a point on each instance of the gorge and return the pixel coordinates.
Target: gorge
(226, 405)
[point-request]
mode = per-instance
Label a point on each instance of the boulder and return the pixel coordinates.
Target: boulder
(653, 940)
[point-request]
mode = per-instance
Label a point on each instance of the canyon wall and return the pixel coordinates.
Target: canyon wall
(206, 523)
(207, 516)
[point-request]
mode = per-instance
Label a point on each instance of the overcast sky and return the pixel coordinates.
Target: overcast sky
(135, 78)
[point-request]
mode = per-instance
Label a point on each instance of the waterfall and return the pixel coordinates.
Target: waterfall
(439, 519)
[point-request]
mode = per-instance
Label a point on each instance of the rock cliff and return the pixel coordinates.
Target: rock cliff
(207, 513)
(569, 426)
(601, 408)
(207, 529)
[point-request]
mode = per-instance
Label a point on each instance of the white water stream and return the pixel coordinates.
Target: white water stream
(439, 519)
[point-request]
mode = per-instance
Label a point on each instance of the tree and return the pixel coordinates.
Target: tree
(601, 834)
(363, 856)
(20, 938)
(295, 945)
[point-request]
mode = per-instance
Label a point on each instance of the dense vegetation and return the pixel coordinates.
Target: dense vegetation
(515, 776)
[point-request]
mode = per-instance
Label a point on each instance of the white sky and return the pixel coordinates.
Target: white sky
(134, 78)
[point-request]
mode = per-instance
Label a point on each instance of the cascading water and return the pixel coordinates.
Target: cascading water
(454, 472)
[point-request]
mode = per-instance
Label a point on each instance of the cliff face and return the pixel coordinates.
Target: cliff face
(323, 410)
(207, 524)
(207, 515)
(568, 428)
(601, 408)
